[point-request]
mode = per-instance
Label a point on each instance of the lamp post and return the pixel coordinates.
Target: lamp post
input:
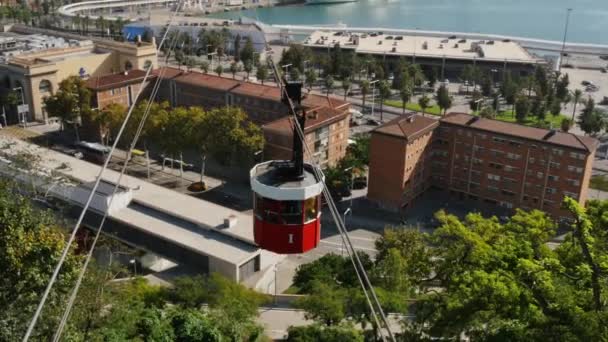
(350, 185)
(373, 84)
(568, 11)
(286, 67)
(132, 261)
(346, 212)
(23, 116)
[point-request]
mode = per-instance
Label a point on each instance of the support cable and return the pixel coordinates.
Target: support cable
(358, 265)
(74, 293)
(66, 249)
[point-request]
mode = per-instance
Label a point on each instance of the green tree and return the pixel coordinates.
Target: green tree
(576, 99)
(262, 73)
(566, 124)
(384, 92)
(329, 83)
(346, 85)
(31, 242)
(204, 66)
(248, 67)
(325, 304)
(406, 95)
(237, 48)
(424, 103)
(234, 68)
(443, 99)
(502, 281)
(107, 120)
(248, 52)
(487, 112)
(310, 78)
(228, 135)
(316, 332)
(522, 109)
(219, 70)
(296, 55)
(591, 120)
(172, 132)
(364, 86)
(70, 103)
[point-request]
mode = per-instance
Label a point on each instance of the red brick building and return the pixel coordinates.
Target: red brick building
(116, 88)
(504, 164)
(326, 127)
(326, 132)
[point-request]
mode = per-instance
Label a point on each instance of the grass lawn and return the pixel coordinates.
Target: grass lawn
(507, 116)
(550, 120)
(599, 183)
(292, 290)
(434, 109)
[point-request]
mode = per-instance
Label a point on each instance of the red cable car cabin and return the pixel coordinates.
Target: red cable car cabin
(287, 206)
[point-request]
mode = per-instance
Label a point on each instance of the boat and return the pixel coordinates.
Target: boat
(326, 2)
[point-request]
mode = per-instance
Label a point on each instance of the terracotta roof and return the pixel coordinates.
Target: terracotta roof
(247, 88)
(117, 80)
(408, 126)
(315, 119)
(521, 131)
(168, 72)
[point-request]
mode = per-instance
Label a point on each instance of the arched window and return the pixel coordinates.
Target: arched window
(147, 64)
(128, 65)
(45, 86)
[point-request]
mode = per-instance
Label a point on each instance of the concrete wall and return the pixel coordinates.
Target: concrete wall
(224, 268)
(386, 170)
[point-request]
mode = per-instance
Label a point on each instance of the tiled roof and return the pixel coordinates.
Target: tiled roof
(314, 119)
(409, 126)
(117, 80)
(520, 131)
(247, 88)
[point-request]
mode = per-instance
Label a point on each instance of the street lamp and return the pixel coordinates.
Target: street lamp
(256, 154)
(132, 261)
(23, 115)
(350, 185)
(373, 84)
(568, 11)
(478, 102)
(286, 67)
(346, 212)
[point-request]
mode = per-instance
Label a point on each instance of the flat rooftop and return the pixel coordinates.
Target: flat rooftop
(184, 220)
(423, 46)
(278, 174)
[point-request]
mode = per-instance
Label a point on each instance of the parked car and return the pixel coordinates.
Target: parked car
(373, 122)
(360, 183)
(586, 83)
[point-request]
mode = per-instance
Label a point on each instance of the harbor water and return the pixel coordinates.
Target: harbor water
(544, 19)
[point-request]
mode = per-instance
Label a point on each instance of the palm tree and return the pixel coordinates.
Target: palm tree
(205, 66)
(234, 68)
(576, 98)
(384, 91)
(406, 95)
(364, 86)
(346, 86)
(424, 102)
(329, 83)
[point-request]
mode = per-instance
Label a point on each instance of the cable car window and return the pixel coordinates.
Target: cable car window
(291, 212)
(311, 209)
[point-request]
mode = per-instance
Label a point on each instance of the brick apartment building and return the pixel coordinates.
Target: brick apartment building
(116, 88)
(499, 163)
(326, 128)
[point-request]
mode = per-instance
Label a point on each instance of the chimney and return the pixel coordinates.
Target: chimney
(410, 118)
(313, 115)
(126, 73)
(230, 221)
(139, 38)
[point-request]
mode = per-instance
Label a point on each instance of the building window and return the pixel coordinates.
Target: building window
(493, 177)
(570, 194)
(45, 86)
(553, 177)
(550, 190)
(558, 151)
(514, 156)
(554, 165)
(539, 174)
